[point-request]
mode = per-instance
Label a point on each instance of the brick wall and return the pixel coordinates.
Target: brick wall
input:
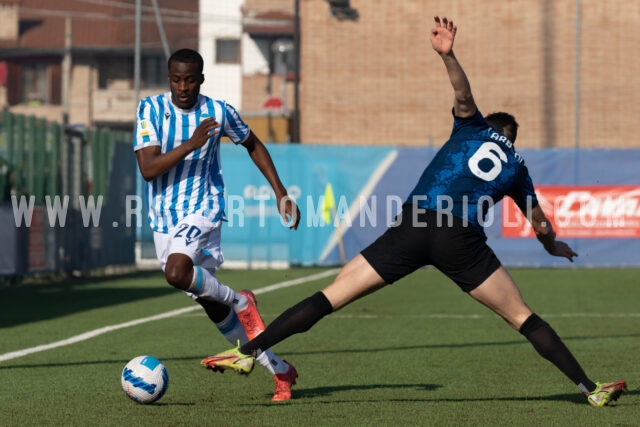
(9, 21)
(376, 80)
(269, 5)
(254, 91)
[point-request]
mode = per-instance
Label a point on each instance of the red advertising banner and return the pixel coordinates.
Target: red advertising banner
(611, 211)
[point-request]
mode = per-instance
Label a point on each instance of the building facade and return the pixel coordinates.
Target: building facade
(97, 39)
(341, 72)
(567, 69)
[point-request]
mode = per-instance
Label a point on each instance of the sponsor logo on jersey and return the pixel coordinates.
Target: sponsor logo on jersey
(144, 128)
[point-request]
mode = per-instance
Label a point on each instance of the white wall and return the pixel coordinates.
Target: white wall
(220, 18)
(254, 56)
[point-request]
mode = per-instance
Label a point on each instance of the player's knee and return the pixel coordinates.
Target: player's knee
(177, 276)
(178, 271)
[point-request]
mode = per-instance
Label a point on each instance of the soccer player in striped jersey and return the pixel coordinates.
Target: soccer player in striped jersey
(177, 145)
(441, 225)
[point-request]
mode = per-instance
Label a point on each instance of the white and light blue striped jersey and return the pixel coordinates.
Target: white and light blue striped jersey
(193, 185)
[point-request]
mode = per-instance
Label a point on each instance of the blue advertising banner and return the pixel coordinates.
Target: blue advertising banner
(254, 231)
(349, 195)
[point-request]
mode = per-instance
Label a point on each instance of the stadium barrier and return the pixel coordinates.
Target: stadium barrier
(348, 196)
(599, 216)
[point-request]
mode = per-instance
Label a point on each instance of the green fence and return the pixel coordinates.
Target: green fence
(31, 156)
(30, 152)
(41, 160)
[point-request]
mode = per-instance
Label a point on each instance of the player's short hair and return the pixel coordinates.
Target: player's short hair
(186, 56)
(505, 123)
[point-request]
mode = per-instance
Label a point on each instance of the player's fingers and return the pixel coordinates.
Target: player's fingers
(290, 220)
(285, 212)
(295, 218)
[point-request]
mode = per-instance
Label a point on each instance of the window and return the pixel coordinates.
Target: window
(227, 51)
(342, 10)
(117, 72)
(35, 84)
(153, 72)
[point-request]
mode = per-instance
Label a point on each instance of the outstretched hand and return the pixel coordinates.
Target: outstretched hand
(289, 212)
(561, 249)
(443, 34)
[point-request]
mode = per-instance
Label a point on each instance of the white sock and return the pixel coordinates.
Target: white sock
(206, 286)
(273, 363)
(233, 331)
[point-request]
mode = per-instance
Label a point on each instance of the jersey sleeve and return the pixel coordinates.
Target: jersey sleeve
(234, 127)
(146, 126)
(462, 123)
(523, 193)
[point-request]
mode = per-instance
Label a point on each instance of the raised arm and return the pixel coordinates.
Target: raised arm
(442, 38)
(287, 207)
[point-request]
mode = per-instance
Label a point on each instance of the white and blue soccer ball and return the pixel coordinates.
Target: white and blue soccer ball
(144, 379)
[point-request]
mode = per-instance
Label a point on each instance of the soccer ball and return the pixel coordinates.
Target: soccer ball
(144, 379)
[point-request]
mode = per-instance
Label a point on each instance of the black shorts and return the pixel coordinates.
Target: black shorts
(444, 241)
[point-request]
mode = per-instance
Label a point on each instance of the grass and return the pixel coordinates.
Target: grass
(419, 352)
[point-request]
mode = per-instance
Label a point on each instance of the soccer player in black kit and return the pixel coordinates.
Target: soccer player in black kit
(441, 225)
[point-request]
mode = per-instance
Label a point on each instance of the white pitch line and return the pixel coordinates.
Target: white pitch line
(94, 333)
(91, 334)
(299, 281)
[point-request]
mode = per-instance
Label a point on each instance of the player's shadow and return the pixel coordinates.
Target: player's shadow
(310, 393)
(310, 396)
(313, 395)
(27, 303)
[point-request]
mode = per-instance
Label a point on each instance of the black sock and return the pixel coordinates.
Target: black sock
(299, 318)
(549, 345)
(216, 311)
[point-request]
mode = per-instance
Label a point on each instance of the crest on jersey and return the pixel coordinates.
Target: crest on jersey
(203, 117)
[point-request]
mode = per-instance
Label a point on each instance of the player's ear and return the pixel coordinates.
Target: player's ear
(510, 132)
(201, 78)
